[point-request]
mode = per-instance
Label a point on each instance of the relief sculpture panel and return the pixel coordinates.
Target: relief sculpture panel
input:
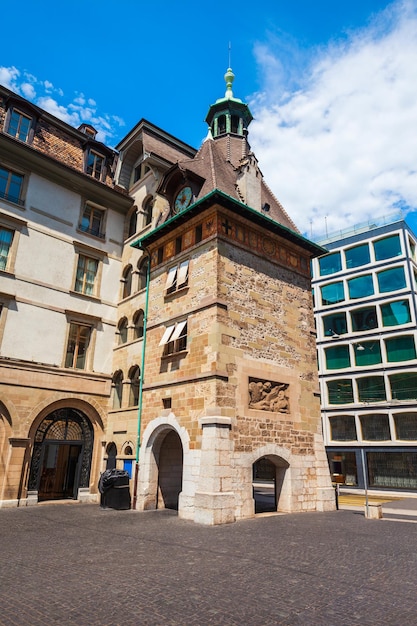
(268, 396)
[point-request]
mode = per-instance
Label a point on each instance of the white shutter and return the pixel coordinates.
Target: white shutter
(171, 277)
(166, 335)
(182, 273)
(178, 330)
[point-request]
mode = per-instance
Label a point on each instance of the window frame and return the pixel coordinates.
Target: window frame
(92, 254)
(15, 225)
(4, 195)
(91, 169)
(21, 114)
(175, 338)
(89, 321)
(96, 211)
(180, 270)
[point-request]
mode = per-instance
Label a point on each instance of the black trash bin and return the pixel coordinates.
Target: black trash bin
(114, 489)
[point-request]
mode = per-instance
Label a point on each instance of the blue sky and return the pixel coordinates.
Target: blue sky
(332, 87)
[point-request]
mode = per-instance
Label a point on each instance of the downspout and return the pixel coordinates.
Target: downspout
(142, 373)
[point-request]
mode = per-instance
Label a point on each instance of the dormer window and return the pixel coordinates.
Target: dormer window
(95, 164)
(19, 125)
(88, 130)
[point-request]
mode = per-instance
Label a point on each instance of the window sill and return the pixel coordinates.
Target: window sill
(85, 296)
(181, 291)
(175, 355)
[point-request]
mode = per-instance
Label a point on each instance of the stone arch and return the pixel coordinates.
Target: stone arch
(281, 458)
(95, 420)
(165, 445)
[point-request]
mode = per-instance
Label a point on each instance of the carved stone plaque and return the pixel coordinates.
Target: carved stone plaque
(268, 395)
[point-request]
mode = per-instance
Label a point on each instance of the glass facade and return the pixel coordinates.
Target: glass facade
(395, 313)
(367, 353)
(392, 469)
(340, 391)
(361, 286)
(391, 280)
(364, 319)
(371, 389)
(375, 427)
(403, 386)
(337, 357)
(333, 293)
(400, 348)
(357, 256)
(406, 426)
(334, 324)
(330, 264)
(387, 248)
(343, 428)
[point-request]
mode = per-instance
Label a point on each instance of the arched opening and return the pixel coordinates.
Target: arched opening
(111, 452)
(143, 272)
(170, 467)
(138, 324)
(127, 281)
(61, 457)
(117, 391)
(268, 477)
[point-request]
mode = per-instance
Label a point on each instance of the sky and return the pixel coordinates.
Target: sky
(332, 88)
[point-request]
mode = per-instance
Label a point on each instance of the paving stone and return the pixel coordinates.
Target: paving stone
(62, 564)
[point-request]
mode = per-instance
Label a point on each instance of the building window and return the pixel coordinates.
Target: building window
(364, 319)
(95, 164)
(371, 389)
(19, 125)
(174, 338)
(334, 324)
(147, 211)
(92, 221)
(375, 427)
(177, 277)
(333, 293)
(367, 353)
(395, 313)
(391, 280)
(392, 469)
(198, 233)
(134, 376)
(343, 428)
(361, 286)
(330, 264)
(133, 221)
(127, 281)
(86, 275)
(357, 256)
(337, 357)
(221, 125)
(117, 390)
(11, 185)
(340, 391)
(122, 331)
(400, 349)
(387, 248)
(138, 324)
(78, 341)
(406, 426)
(143, 273)
(6, 238)
(403, 386)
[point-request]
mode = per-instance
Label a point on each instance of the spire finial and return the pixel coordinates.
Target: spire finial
(229, 77)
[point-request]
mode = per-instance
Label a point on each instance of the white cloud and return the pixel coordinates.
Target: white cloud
(340, 148)
(46, 95)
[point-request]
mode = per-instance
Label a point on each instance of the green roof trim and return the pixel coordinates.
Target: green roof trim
(232, 204)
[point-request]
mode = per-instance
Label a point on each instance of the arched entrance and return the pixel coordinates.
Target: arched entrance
(268, 477)
(61, 457)
(170, 468)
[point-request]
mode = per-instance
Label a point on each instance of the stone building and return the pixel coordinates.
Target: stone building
(165, 325)
(229, 373)
(61, 243)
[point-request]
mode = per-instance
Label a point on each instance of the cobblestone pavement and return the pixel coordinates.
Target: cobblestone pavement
(78, 564)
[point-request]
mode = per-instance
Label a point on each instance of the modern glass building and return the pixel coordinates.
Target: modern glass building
(365, 310)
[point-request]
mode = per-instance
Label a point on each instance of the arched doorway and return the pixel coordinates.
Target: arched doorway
(61, 457)
(268, 477)
(170, 468)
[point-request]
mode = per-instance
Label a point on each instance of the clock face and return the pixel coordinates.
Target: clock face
(183, 199)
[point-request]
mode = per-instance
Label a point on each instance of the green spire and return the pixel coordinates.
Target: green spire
(229, 77)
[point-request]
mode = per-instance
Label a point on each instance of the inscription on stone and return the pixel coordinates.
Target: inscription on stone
(267, 395)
